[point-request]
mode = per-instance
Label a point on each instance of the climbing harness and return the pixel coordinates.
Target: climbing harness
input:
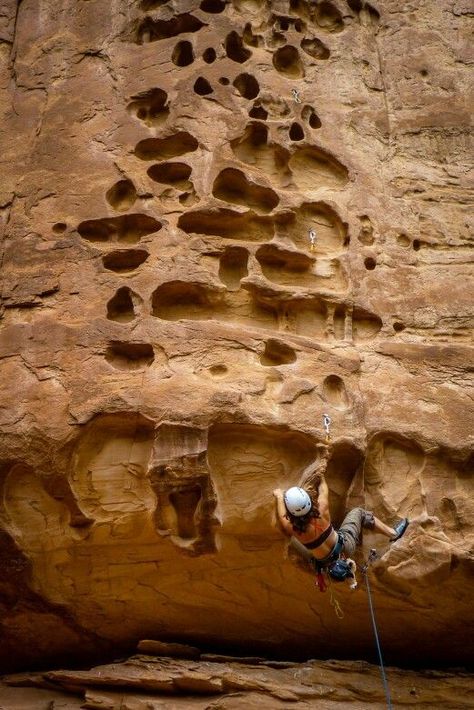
(323, 585)
(327, 424)
(296, 96)
(364, 569)
(312, 239)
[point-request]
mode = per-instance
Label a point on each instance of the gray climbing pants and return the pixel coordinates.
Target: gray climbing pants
(351, 528)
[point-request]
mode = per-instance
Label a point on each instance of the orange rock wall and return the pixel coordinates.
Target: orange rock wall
(222, 220)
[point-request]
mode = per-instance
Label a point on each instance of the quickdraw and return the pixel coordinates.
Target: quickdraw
(296, 96)
(327, 424)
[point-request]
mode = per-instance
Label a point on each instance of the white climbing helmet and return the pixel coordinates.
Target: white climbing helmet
(297, 501)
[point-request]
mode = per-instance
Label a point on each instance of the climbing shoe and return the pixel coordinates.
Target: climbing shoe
(400, 529)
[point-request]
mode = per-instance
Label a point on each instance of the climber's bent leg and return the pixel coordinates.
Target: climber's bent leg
(383, 529)
(352, 525)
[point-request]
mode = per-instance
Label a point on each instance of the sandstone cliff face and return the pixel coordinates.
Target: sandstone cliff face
(220, 221)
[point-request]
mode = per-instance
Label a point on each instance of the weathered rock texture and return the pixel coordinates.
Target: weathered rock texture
(220, 683)
(222, 220)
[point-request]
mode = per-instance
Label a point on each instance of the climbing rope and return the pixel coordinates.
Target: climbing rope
(335, 603)
(373, 556)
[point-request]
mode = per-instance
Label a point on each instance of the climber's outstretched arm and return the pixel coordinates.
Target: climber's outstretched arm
(281, 512)
(323, 497)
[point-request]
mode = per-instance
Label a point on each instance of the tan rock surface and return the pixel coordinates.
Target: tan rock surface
(153, 683)
(170, 339)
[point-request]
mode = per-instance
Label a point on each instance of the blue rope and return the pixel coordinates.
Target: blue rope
(379, 650)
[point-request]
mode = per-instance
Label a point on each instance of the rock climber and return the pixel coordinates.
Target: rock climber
(310, 524)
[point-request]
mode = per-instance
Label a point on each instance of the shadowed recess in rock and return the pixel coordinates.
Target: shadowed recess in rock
(150, 107)
(180, 479)
(313, 168)
(251, 7)
(123, 260)
(341, 326)
(286, 60)
(175, 174)
(285, 23)
(330, 231)
(307, 317)
(233, 266)
(344, 478)
(446, 480)
(285, 266)
(247, 86)
(218, 371)
(256, 306)
(275, 40)
(128, 228)
(226, 223)
(183, 54)
(398, 326)
(366, 231)
(296, 133)
(403, 240)
(231, 185)
(235, 49)
(151, 30)
(181, 300)
(147, 5)
(392, 474)
(59, 227)
(121, 307)
(165, 148)
(246, 460)
(176, 300)
(277, 353)
(334, 392)
(365, 325)
(213, 7)
(202, 87)
(308, 114)
(36, 521)
(402, 479)
(367, 14)
(122, 195)
(315, 48)
(253, 149)
(250, 38)
(328, 17)
(129, 356)
(325, 14)
(257, 111)
(189, 198)
(209, 55)
(110, 472)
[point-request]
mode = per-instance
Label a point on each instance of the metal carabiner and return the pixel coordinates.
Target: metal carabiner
(296, 96)
(327, 424)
